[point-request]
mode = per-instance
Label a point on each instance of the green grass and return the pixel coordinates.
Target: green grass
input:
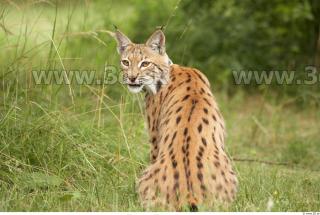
(85, 155)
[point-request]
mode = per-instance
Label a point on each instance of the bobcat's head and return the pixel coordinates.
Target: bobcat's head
(143, 65)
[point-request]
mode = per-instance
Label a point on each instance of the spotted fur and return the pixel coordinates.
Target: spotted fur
(189, 165)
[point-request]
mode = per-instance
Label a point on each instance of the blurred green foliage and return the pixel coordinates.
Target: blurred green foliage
(216, 36)
(219, 36)
(82, 147)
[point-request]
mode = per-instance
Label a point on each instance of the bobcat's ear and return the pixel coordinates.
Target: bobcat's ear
(157, 42)
(122, 40)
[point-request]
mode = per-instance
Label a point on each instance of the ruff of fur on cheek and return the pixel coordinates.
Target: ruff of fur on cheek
(156, 81)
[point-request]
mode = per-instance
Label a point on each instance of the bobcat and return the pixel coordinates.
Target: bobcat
(189, 165)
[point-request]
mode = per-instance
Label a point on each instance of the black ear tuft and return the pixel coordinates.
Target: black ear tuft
(122, 40)
(161, 27)
(157, 42)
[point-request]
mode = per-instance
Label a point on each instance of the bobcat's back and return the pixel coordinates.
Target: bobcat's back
(189, 163)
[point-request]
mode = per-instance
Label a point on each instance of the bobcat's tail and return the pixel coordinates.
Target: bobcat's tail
(193, 207)
(192, 204)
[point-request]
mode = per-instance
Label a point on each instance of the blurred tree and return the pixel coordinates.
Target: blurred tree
(315, 39)
(219, 36)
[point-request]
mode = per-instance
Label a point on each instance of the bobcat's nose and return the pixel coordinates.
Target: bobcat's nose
(132, 78)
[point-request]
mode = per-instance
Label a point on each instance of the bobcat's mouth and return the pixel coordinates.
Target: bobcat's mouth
(135, 88)
(135, 85)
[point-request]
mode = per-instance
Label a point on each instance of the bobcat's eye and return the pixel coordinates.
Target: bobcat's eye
(125, 62)
(145, 64)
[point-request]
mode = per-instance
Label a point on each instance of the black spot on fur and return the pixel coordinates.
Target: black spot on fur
(205, 110)
(201, 149)
(156, 170)
(225, 191)
(206, 100)
(204, 141)
(153, 140)
(219, 187)
(203, 187)
(183, 150)
(185, 97)
(213, 177)
(216, 164)
(205, 121)
(149, 177)
(171, 152)
(174, 135)
(185, 132)
(174, 163)
(166, 138)
(179, 109)
(199, 165)
(199, 76)
(188, 139)
(214, 140)
(200, 128)
(145, 190)
(214, 117)
(178, 119)
(194, 102)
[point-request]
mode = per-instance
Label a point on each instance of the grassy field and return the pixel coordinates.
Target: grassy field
(82, 147)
